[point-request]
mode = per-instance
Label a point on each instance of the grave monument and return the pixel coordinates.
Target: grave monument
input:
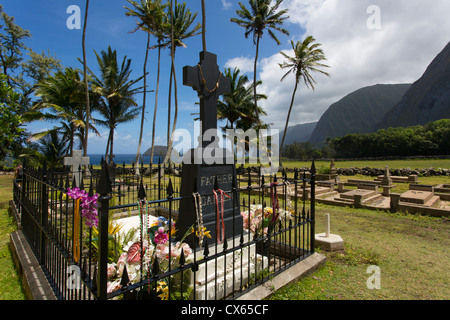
(76, 161)
(208, 170)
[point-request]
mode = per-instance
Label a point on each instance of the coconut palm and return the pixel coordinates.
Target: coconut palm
(260, 17)
(179, 29)
(150, 16)
(239, 102)
(53, 147)
(116, 103)
(237, 107)
(307, 58)
(61, 98)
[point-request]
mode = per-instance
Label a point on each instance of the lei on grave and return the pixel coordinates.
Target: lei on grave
(220, 214)
(88, 205)
(88, 212)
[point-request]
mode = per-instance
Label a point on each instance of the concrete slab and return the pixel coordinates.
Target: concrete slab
(416, 196)
(293, 274)
(332, 242)
(34, 282)
(363, 192)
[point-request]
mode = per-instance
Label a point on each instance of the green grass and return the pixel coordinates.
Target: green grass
(10, 286)
(411, 252)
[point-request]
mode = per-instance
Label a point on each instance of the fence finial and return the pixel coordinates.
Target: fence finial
(141, 193)
(313, 168)
(170, 188)
(104, 183)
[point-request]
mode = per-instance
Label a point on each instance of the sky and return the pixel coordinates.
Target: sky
(366, 42)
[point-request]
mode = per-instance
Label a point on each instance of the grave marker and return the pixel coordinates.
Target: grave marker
(206, 172)
(76, 161)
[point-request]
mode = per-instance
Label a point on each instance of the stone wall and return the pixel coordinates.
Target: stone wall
(373, 172)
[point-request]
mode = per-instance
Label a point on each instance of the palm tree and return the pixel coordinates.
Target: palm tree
(116, 104)
(150, 14)
(53, 147)
(306, 59)
(261, 16)
(238, 105)
(62, 95)
(159, 32)
(181, 20)
(239, 102)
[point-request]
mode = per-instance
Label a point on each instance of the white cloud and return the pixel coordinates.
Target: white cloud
(226, 4)
(412, 33)
(244, 64)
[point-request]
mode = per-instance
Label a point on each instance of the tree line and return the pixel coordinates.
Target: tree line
(431, 139)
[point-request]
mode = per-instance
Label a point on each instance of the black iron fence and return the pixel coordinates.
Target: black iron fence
(83, 240)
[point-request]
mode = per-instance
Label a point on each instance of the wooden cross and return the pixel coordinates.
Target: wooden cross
(210, 83)
(76, 161)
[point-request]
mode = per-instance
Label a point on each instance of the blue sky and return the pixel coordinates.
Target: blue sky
(361, 51)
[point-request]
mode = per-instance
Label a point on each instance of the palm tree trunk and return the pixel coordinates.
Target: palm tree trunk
(156, 102)
(107, 147)
(111, 152)
(143, 103)
(287, 119)
(172, 55)
(169, 106)
(88, 111)
(203, 26)
(169, 145)
(254, 79)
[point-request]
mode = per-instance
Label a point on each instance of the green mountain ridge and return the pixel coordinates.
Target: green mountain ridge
(427, 100)
(358, 112)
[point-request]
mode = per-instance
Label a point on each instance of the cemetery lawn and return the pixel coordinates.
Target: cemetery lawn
(410, 250)
(10, 286)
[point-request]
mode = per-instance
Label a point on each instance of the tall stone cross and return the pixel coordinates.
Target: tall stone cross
(210, 83)
(76, 161)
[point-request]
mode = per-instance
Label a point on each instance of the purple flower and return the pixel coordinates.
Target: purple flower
(76, 193)
(161, 237)
(90, 201)
(91, 216)
(88, 205)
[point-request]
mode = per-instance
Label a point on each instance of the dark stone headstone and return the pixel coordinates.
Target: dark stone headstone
(202, 178)
(201, 169)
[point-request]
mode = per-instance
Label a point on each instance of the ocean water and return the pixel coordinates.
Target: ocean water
(120, 159)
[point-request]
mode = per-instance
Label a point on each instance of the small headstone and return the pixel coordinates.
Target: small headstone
(76, 161)
(333, 169)
(327, 240)
(387, 181)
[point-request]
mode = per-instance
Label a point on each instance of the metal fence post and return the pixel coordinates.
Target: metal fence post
(103, 188)
(313, 206)
(44, 213)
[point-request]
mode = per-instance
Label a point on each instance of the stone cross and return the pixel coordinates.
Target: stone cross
(76, 161)
(210, 83)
